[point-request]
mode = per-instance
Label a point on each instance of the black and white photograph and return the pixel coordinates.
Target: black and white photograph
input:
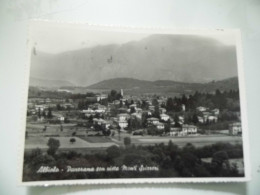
(123, 105)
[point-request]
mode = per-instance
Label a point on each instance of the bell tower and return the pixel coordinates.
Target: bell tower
(122, 92)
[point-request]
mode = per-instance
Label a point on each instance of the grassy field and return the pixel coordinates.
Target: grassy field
(41, 142)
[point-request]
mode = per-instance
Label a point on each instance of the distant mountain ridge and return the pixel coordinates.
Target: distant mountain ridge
(181, 58)
(164, 86)
(37, 82)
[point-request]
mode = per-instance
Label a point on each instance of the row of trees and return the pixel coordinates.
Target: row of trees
(222, 100)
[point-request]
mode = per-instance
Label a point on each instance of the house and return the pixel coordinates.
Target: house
(183, 107)
(106, 124)
(174, 131)
(152, 121)
(212, 118)
(88, 112)
(235, 128)
(133, 106)
(160, 126)
(149, 102)
(123, 117)
(164, 117)
(181, 119)
(139, 110)
(201, 119)
(189, 129)
(122, 110)
(41, 107)
(137, 115)
(151, 108)
(101, 97)
(162, 110)
(59, 117)
(215, 111)
(116, 102)
(122, 124)
(67, 106)
(206, 115)
(201, 109)
(100, 110)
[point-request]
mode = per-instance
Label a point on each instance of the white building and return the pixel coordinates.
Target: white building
(152, 121)
(215, 111)
(160, 126)
(189, 129)
(164, 117)
(41, 107)
(235, 129)
(201, 109)
(123, 117)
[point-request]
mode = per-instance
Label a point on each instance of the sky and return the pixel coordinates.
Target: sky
(60, 37)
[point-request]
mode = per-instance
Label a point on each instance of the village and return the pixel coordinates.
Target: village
(100, 120)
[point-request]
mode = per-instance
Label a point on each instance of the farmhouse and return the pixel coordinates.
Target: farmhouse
(101, 97)
(174, 131)
(212, 118)
(235, 129)
(162, 110)
(164, 117)
(137, 115)
(152, 121)
(215, 111)
(123, 117)
(123, 124)
(59, 117)
(188, 129)
(88, 112)
(160, 126)
(201, 109)
(41, 107)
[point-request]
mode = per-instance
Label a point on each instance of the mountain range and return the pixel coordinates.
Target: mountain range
(49, 83)
(136, 87)
(182, 58)
(163, 87)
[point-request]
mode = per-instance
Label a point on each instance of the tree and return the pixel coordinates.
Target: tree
(49, 115)
(167, 126)
(169, 104)
(176, 121)
(59, 107)
(44, 114)
(219, 158)
(132, 110)
(127, 141)
(157, 111)
(53, 144)
(72, 140)
(195, 119)
(106, 132)
(44, 128)
(39, 113)
(152, 130)
(113, 152)
(155, 102)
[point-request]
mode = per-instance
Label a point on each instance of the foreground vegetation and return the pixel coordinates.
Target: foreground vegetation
(171, 160)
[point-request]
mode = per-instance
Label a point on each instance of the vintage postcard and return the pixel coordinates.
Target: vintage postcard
(133, 105)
